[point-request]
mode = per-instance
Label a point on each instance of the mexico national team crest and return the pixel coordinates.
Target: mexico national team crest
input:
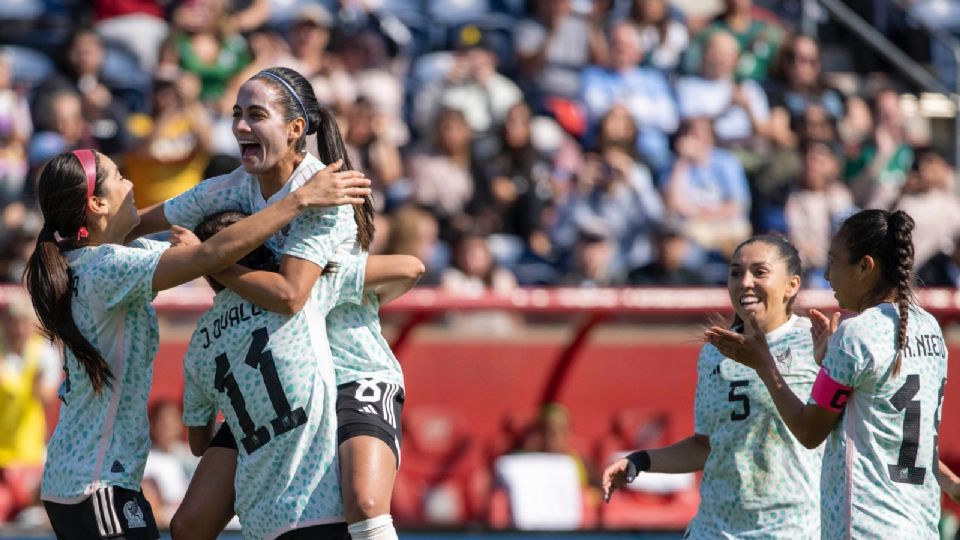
(134, 515)
(784, 359)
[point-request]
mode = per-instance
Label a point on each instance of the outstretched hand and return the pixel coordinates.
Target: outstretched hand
(332, 187)
(617, 475)
(749, 348)
(821, 328)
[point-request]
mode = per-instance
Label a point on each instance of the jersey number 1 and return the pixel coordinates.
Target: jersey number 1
(256, 436)
(905, 470)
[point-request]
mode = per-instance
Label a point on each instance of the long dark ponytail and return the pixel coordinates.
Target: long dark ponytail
(790, 256)
(295, 97)
(888, 238)
(62, 195)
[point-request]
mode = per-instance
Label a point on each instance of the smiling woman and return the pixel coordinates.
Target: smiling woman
(739, 440)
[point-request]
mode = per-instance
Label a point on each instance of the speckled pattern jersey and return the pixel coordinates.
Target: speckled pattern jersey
(759, 481)
(103, 440)
(272, 376)
(879, 463)
(358, 348)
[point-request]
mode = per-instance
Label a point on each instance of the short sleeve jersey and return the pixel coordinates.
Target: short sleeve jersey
(272, 376)
(758, 481)
(103, 440)
(356, 342)
(879, 462)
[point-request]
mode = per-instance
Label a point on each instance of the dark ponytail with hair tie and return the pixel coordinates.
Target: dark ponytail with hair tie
(62, 192)
(899, 230)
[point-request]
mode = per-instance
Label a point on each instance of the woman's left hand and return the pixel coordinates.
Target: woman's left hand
(749, 348)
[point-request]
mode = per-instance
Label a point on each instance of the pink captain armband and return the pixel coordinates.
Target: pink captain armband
(828, 393)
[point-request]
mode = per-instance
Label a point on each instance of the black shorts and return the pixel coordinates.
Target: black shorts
(111, 512)
(333, 531)
(223, 438)
(370, 407)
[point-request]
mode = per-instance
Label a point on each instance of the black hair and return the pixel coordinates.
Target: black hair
(62, 191)
(260, 258)
(787, 253)
(320, 120)
(887, 237)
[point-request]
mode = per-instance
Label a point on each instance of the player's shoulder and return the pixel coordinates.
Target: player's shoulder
(709, 358)
(234, 179)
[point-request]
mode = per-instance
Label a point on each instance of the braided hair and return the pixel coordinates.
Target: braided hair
(887, 237)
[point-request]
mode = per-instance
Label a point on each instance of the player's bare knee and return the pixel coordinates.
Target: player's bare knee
(364, 507)
(184, 525)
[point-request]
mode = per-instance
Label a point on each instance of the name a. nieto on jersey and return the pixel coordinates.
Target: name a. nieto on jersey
(925, 345)
(228, 318)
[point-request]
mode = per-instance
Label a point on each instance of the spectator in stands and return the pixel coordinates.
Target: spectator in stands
(309, 38)
(414, 231)
(552, 48)
(15, 130)
(139, 25)
(759, 40)
(675, 263)
(472, 85)
(663, 37)
(29, 374)
(796, 83)
(203, 42)
(474, 269)
(442, 178)
(738, 109)
(943, 269)
(515, 184)
(707, 190)
(102, 106)
(816, 208)
(931, 200)
(19, 228)
(267, 49)
(878, 173)
(365, 59)
(60, 125)
(552, 434)
(377, 155)
(170, 464)
(643, 91)
(175, 142)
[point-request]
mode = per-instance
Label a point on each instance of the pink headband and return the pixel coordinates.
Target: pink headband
(89, 163)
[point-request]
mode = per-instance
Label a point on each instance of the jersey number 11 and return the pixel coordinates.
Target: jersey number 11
(256, 436)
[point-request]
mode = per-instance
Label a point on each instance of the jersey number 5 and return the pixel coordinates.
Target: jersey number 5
(256, 436)
(734, 397)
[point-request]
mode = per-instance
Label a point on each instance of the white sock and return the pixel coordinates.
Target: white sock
(375, 528)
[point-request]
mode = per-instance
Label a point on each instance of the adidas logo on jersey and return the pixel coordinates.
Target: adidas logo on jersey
(117, 467)
(369, 409)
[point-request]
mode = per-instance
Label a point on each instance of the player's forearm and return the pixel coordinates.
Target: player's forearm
(688, 455)
(269, 290)
(390, 276)
(794, 412)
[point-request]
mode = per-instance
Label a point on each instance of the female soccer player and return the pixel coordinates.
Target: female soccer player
(272, 376)
(739, 440)
(275, 110)
(92, 294)
(878, 395)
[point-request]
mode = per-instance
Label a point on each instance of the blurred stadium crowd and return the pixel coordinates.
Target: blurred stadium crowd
(510, 143)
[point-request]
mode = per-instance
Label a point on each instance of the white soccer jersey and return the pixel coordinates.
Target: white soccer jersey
(879, 463)
(356, 342)
(759, 481)
(103, 440)
(272, 376)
